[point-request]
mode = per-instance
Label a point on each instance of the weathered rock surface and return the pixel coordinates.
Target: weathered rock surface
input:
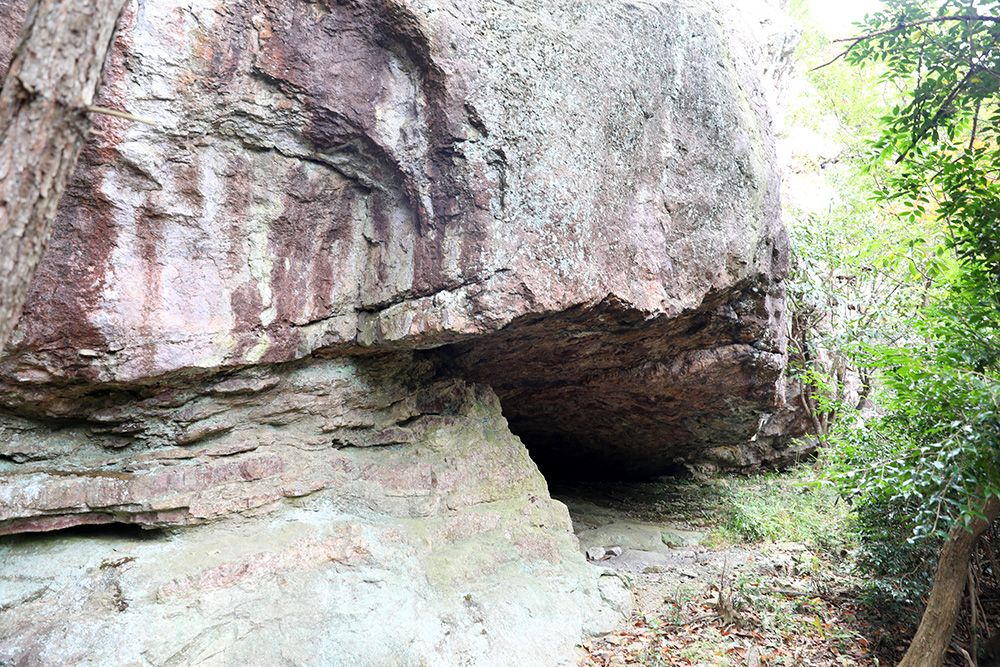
(594, 182)
(279, 326)
(413, 529)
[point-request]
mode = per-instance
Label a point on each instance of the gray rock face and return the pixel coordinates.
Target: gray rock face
(279, 327)
(331, 515)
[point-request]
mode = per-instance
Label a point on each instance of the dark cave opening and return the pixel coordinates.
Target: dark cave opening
(113, 530)
(553, 454)
(604, 391)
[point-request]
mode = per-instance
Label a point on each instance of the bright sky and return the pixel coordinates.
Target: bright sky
(837, 16)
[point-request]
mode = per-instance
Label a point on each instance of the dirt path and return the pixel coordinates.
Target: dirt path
(702, 599)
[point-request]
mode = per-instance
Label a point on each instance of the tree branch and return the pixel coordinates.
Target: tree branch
(854, 41)
(929, 125)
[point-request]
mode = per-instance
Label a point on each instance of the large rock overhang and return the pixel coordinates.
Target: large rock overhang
(335, 179)
(276, 325)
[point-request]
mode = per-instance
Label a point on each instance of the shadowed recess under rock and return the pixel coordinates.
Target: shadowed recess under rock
(609, 391)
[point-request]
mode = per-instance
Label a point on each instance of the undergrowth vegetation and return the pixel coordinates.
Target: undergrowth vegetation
(787, 507)
(916, 451)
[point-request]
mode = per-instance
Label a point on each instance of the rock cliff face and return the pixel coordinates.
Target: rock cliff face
(279, 325)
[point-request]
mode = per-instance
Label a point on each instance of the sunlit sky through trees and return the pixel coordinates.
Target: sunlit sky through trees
(838, 16)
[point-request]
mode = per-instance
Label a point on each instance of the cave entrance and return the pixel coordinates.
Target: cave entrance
(605, 392)
(567, 464)
(639, 526)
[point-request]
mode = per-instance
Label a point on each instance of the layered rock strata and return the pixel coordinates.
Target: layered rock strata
(335, 512)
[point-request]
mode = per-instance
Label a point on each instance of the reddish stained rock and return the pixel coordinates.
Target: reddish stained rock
(345, 548)
(12, 14)
(419, 530)
(177, 493)
(344, 178)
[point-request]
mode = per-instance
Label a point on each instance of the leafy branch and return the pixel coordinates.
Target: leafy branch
(908, 25)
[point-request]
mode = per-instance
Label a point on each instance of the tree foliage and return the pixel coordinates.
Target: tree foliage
(932, 460)
(943, 135)
(860, 272)
(940, 154)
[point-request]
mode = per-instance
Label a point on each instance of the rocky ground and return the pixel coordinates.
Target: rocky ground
(706, 596)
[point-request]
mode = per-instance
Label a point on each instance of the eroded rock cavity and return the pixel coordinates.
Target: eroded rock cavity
(608, 391)
(295, 326)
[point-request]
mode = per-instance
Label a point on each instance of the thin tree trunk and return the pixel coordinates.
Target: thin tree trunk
(938, 622)
(52, 80)
(973, 617)
(866, 390)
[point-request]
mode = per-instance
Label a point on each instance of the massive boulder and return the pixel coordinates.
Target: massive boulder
(279, 319)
